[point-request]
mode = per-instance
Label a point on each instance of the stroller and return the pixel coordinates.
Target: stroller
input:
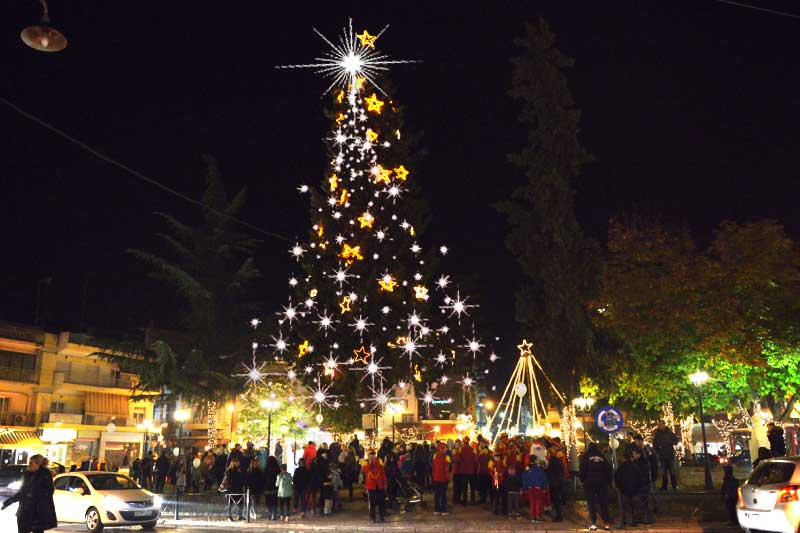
(408, 493)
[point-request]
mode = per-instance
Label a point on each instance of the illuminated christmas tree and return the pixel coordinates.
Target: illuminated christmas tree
(368, 311)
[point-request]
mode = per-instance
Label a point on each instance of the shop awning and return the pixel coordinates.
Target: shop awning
(99, 403)
(13, 439)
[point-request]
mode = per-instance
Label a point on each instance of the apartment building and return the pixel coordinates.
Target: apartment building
(57, 398)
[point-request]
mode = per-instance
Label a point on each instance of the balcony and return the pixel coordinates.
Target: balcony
(25, 375)
(80, 378)
(17, 419)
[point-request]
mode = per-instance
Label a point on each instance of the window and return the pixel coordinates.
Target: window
(5, 403)
(111, 482)
(56, 407)
(62, 483)
(772, 472)
(78, 483)
(138, 415)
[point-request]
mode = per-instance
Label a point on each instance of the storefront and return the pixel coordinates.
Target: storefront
(58, 444)
(16, 447)
(118, 448)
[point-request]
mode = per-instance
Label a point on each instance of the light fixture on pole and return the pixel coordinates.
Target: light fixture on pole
(270, 405)
(180, 416)
(583, 405)
(43, 37)
(698, 378)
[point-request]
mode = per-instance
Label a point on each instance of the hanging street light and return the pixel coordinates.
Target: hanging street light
(698, 378)
(43, 37)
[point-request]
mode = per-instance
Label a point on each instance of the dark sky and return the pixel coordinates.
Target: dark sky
(689, 108)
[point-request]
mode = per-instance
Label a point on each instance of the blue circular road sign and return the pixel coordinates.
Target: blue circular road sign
(608, 419)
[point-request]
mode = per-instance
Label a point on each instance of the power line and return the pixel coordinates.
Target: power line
(135, 172)
(756, 8)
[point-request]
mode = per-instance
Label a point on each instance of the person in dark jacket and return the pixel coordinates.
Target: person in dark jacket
(162, 468)
(422, 459)
(777, 444)
(146, 471)
(627, 480)
(234, 485)
(664, 441)
(555, 479)
(237, 454)
(652, 461)
(218, 469)
(763, 453)
(512, 482)
(730, 493)
(301, 481)
(36, 511)
(320, 478)
(643, 493)
(256, 483)
(247, 456)
(271, 491)
(596, 475)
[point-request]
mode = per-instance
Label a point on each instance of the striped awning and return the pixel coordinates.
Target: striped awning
(13, 439)
(100, 403)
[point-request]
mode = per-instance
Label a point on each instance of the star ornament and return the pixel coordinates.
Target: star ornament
(401, 173)
(303, 349)
(351, 253)
(387, 283)
(382, 175)
(344, 305)
(366, 39)
(361, 355)
(525, 348)
(366, 220)
(374, 104)
(420, 292)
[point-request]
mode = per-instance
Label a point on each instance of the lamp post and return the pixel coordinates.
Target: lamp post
(583, 405)
(698, 378)
(270, 405)
(180, 416)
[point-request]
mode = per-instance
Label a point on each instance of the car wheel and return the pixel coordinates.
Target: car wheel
(93, 522)
(149, 526)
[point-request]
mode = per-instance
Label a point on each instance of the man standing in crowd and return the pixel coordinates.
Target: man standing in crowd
(664, 441)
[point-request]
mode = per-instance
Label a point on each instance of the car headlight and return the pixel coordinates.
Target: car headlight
(112, 502)
(157, 501)
(15, 485)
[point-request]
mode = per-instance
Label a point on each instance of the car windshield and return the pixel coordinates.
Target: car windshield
(111, 482)
(768, 473)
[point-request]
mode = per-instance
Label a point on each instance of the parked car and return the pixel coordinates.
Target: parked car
(770, 498)
(104, 499)
(11, 477)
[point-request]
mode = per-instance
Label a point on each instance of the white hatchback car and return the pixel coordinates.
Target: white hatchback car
(770, 498)
(104, 499)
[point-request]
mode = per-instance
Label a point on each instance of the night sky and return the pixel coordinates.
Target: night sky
(690, 110)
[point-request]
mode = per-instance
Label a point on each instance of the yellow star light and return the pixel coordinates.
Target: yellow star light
(417, 373)
(525, 348)
(401, 173)
(320, 230)
(361, 355)
(420, 292)
(344, 305)
(340, 118)
(371, 135)
(374, 104)
(313, 293)
(334, 181)
(382, 174)
(366, 220)
(387, 283)
(302, 349)
(339, 96)
(351, 253)
(367, 39)
(343, 197)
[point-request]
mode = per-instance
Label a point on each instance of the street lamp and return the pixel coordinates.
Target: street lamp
(698, 378)
(180, 416)
(583, 405)
(43, 37)
(270, 405)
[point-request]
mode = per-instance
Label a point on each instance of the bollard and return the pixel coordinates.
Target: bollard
(176, 499)
(247, 504)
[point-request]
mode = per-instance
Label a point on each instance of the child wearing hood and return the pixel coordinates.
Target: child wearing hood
(534, 482)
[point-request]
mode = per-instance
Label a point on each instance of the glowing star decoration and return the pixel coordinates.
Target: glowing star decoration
(351, 253)
(420, 292)
(344, 305)
(411, 347)
(350, 62)
(367, 40)
(293, 282)
(444, 380)
(474, 346)
(255, 323)
(325, 322)
(340, 118)
(319, 395)
(297, 251)
(361, 325)
(340, 276)
(387, 283)
(493, 357)
(279, 343)
(374, 104)
(441, 359)
(443, 250)
(289, 313)
(330, 366)
(467, 381)
(254, 373)
(382, 175)
(366, 220)
(334, 182)
(458, 306)
(291, 375)
(303, 348)
(401, 173)
(372, 136)
(361, 355)
(443, 282)
(344, 197)
(380, 397)
(525, 348)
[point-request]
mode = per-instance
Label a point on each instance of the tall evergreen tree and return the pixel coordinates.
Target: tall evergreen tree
(557, 260)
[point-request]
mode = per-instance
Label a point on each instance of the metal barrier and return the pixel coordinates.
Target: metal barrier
(204, 505)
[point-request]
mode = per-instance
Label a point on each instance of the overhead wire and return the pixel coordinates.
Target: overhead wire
(135, 172)
(757, 8)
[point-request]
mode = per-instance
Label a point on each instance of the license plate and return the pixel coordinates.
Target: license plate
(141, 513)
(752, 516)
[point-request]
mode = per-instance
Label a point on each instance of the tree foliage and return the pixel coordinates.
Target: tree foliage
(210, 267)
(557, 260)
(731, 309)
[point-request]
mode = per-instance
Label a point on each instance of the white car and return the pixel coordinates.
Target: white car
(104, 499)
(770, 498)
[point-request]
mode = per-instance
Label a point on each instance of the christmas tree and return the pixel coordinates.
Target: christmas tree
(367, 310)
